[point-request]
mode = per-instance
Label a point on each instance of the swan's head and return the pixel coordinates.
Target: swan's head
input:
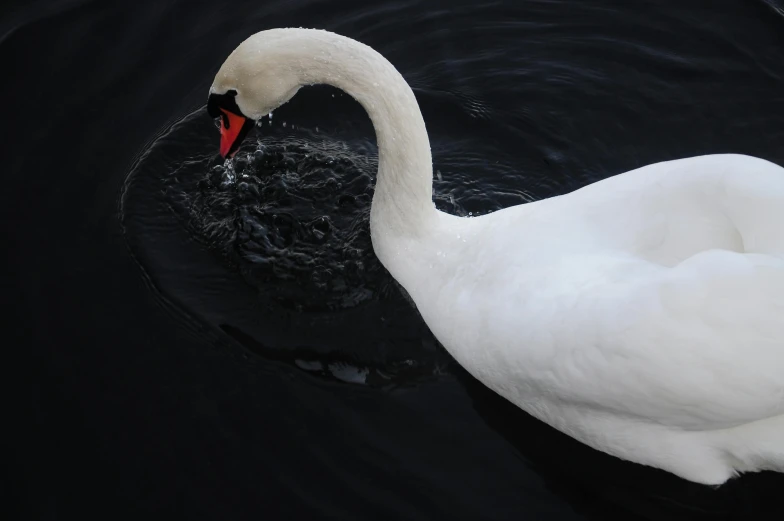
(255, 79)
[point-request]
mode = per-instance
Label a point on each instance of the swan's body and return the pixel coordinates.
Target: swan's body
(643, 315)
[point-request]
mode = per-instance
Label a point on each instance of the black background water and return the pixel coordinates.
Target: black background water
(164, 371)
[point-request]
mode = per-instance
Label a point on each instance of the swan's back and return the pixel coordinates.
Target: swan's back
(669, 211)
(654, 298)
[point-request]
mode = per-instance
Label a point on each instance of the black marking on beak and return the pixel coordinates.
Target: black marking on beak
(223, 101)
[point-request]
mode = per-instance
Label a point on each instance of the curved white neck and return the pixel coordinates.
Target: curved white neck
(402, 208)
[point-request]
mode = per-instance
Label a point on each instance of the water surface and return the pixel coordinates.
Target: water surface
(218, 342)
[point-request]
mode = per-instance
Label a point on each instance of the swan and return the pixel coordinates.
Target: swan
(642, 315)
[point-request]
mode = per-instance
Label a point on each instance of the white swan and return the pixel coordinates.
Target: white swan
(642, 315)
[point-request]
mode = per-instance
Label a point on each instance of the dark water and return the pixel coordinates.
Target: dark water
(212, 343)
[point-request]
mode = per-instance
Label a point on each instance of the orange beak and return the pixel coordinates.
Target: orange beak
(233, 129)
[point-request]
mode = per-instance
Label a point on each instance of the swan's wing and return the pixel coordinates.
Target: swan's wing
(699, 346)
(557, 301)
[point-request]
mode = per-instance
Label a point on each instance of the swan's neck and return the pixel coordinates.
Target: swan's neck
(402, 212)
